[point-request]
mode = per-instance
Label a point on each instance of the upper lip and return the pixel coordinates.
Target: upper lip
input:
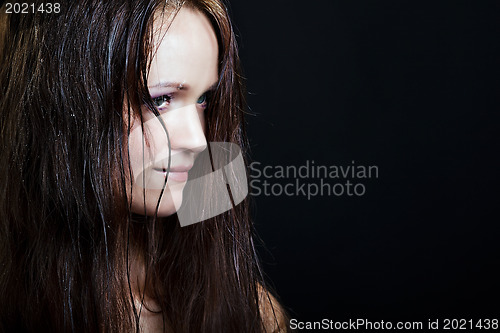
(177, 168)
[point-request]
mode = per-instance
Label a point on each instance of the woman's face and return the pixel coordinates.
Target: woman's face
(183, 71)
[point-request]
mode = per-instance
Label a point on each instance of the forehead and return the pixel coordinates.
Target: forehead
(185, 49)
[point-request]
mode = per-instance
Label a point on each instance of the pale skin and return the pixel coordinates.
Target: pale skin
(184, 67)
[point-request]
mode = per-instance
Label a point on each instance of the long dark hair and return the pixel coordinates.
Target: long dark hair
(66, 231)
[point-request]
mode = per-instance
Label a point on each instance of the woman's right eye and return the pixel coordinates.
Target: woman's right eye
(162, 101)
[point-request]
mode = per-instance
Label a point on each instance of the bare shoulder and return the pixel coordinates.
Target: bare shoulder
(272, 313)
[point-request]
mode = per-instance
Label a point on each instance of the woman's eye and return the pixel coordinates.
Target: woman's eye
(202, 99)
(161, 101)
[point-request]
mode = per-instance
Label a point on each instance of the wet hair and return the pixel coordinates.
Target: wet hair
(67, 234)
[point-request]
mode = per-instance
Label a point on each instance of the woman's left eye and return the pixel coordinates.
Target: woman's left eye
(202, 99)
(161, 101)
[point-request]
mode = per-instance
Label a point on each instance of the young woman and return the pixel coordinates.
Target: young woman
(99, 100)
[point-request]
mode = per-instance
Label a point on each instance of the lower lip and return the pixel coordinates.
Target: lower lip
(178, 176)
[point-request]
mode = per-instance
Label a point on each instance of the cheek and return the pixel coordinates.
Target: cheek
(136, 142)
(203, 121)
(146, 148)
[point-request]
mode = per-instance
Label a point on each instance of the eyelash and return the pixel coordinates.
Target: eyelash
(160, 101)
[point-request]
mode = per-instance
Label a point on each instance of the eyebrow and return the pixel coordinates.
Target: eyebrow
(168, 84)
(179, 85)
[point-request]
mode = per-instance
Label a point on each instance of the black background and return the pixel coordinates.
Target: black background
(411, 87)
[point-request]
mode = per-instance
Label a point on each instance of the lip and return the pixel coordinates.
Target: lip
(177, 173)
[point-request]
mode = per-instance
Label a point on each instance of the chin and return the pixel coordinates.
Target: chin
(169, 204)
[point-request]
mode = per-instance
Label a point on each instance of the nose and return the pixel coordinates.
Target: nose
(186, 129)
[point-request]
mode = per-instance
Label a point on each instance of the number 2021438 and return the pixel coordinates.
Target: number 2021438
(31, 8)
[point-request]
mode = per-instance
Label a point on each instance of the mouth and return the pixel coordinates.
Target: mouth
(177, 174)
